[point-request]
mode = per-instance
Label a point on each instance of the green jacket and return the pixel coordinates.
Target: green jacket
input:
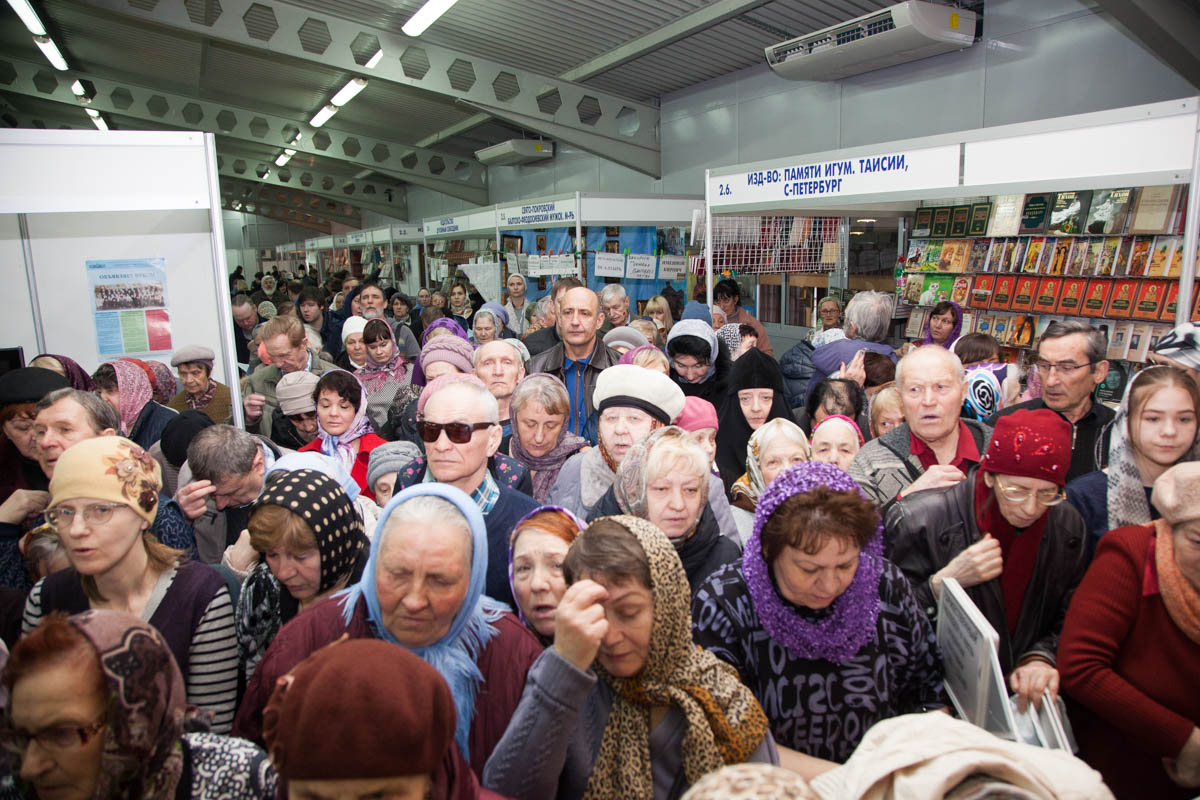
(263, 380)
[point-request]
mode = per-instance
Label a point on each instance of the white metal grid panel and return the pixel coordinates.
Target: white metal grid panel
(758, 245)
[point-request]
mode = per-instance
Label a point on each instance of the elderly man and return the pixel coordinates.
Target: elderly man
(245, 320)
(373, 305)
(500, 366)
(270, 292)
(934, 447)
(286, 344)
(422, 299)
(200, 392)
(546, 337)
(1071, 364)
(580, 357)
(868, 320)
(728, 296)
(294, 423)
(516, 304)
(615, 302)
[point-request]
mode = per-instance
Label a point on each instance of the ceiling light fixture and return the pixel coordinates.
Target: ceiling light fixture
(91, 112)
(99, 122)
(349, 91)
(78, 90)
(868, 219)
(426, 15)
(323, 116)
(50, 51)
(358, 176)
(374, 60)
(296, 139)
(28, 16)
(284, 157)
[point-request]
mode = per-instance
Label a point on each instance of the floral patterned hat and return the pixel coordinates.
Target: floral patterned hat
(110, 469)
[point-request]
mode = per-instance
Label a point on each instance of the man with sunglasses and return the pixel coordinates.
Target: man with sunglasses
(1005, 534)
(458, 419)
(1071, 364)
(294, 422)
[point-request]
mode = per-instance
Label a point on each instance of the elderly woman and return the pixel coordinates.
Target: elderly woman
(665, 480)
(486, 325)
(649, 357)
(103, 499)
(700, 363)
(310, 544)
(754, 397)
(387, 375)
(1130, 648)
(200, 392)
(536, 551)
(68, 368)
(343, 430)
(814, 604)
(125, 386)
(354, 350)
(20, 391)
(829, 310)
(422, 589)
(540, 439)
(624, 704)
(774, 447)
(886, 411)
(113, 694)
(836, 440)
(1006, 536)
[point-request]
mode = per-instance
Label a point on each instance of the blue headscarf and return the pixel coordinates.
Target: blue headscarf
(455, 654)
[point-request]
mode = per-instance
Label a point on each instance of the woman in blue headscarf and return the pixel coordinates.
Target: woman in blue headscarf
(422, 588)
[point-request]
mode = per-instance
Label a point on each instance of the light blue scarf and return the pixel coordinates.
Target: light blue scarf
(455, 654)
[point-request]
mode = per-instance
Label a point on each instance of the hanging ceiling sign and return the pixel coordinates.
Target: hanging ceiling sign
(799, 180)
(556, 213)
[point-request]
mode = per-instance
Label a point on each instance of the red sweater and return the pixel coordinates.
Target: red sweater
(366, 443)
(1130, 672)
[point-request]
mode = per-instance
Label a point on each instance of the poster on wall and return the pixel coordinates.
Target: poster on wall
(129, 306)
(672, 268)
(640, 265)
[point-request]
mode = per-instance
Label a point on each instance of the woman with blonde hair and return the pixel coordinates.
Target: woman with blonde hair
(658, 309)
(885, 411)
(777, 445)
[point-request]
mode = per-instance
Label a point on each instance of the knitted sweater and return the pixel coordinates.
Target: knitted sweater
(219, 409)
(884, 467)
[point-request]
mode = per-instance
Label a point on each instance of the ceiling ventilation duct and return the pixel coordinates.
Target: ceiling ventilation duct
(515, 151)
(895, 35)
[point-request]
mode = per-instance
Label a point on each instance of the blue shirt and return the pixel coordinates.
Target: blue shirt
(573, 371)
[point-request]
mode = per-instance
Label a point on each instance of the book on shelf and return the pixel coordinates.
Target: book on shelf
(1154, 209)
(941, 222)
(1069, 213)
(1043, 322)
(1002, 292)
(981, 290)
(1020, 330)
(1120, 264)
(1000, 327)
(1139, 342)
(980, 212)
(936, 289)
(1108, 211)
(1120, 301)
(933, 255)
(1095, 298)
(955, 253)
(1033, 255)
(914, 284)
(1045, 300)
(1150, 297)
(1139, 256)
(1171, 304)
(1160, 256)
(1035, 215)
(916, 323)
(1006, 215)
(1108, 255)
(1177, 257)
(916, 254)
(960, 290)
(960, 221)
(968, 321)
(1023, 295)
(1009, 355)
(1112, 388)
(983, 323)
(1002, 254)
(1156, 333)
(1078, 262)
(922, 223)
(1059, 257)
(1071, 296)
(1118, 340)
(1196, 308)
(977, 261)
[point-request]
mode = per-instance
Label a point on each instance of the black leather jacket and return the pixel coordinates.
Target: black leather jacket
(925, 530)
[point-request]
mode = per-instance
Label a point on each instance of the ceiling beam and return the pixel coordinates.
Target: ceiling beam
(452, 175)
(616, 128)
(1168, 28)
(311, 222)
(253, 190)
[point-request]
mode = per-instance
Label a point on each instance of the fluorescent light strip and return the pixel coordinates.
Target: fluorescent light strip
(349, 92)
(50, 51)
(323, 116)
(284, 157)
(28, 16)
(93, 113)
(374, 60)
(426, 15)
(99, 122)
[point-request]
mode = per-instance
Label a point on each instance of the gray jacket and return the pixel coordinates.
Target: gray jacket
(550, 746)
(884, 467)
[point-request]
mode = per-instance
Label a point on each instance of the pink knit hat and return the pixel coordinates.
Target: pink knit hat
(698, 414)
(440, 383)
(450, 349)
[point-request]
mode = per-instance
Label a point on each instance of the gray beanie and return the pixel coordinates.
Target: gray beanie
(389, 457)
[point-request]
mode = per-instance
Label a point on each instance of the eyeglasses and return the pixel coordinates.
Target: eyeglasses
(96, 514)
(457, 432)
(1016, 494)
(58, 738)
(1064, 368)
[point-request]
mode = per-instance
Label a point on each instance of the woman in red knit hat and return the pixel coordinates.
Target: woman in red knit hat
(1008, 538)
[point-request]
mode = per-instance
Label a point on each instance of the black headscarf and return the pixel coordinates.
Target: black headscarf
(754, 369)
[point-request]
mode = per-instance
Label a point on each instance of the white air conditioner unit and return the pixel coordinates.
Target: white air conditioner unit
(897, 34)
(515, 151)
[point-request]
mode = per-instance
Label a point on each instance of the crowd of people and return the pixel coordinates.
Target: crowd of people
(467, 547)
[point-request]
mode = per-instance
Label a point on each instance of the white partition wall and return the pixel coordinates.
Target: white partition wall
(146, 199)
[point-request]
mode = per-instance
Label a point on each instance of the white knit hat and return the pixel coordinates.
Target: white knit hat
(352, 326)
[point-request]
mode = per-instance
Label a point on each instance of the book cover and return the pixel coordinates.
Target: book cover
(1091, 261)
(937, 288)
(1071, 296)
(1177, 257)
(1022, 299)
(1006, 215)
(916, 254)
(1118, 340)
(980, 212)
(1043, 322)
(1153, 209)
(1095, 298)
(1035, 215)
(1150, 297)
(1139, 342)
(1139, 256)
(1020, 331)
(955, 253)
(984, 325)
(1120, 265)
(1060, 255)
(941, 222)
(978, 260)
(968, 321)
(1196, 309)
(1156, 333)
(1033, 255)
(914, 284)
(1002, 292)
(916, 323)
(1108, 212)
(1171, 304)
(1160, 256)
(960, 290)
(981, 290)
(1120, 301)
(1080, 250)
(1045, 301)
(960, 220)
(922, 223)
(1069, 213)
(1004, 260)
(1112, 389)
(933, 254)
(1108, 255)
(1000, 327)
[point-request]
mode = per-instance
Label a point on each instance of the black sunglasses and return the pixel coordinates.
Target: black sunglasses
(457, 432)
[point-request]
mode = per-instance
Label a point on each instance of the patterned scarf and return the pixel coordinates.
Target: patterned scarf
(849, 623)
(725, 723)
(1179, 595)
(629, 485)
(76, 374)
(751, 485)
(341, 446)
(374, 374)
(133, 390)
(199, 403)
(1127, 504)
(545, 467)
(164, 383)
